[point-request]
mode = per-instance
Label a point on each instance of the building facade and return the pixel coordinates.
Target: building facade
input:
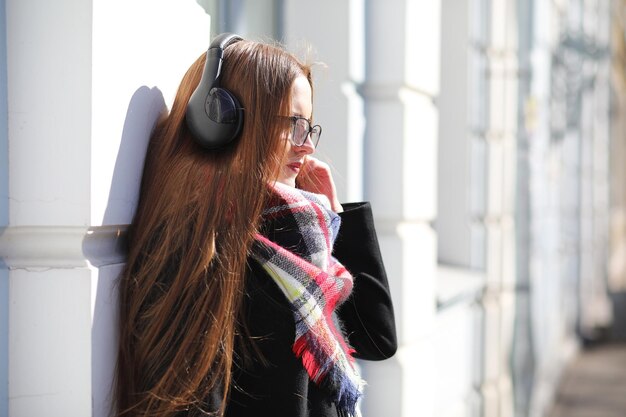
(489, 136)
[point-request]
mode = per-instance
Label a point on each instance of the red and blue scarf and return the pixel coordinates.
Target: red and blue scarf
(294, 247)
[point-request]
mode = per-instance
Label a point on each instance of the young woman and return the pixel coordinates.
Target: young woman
(242, 295)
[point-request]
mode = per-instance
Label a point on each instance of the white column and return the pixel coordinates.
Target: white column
(552, 335)
(595, 309)
(477, 182)
(86, 83)
(49, 113)
(459, 192)
(4, 220)
(401, 170)
(499, 220)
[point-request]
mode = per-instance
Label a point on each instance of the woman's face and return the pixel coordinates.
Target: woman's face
(301, 105)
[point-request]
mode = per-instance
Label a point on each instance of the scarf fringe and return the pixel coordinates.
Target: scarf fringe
(346, 390)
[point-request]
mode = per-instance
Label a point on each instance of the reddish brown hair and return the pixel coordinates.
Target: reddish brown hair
(181, 290)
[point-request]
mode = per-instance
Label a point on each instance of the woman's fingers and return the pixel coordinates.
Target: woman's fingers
(316, 177)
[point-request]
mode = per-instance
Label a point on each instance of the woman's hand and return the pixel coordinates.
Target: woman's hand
(315, 177)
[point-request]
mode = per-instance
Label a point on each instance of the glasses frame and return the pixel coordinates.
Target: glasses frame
(294, 121)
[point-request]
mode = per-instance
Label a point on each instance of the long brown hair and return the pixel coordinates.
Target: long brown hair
(182, 287)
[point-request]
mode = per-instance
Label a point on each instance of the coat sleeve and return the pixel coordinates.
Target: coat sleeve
(367, 315)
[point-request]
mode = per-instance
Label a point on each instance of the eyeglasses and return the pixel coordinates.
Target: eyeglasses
(301, 129)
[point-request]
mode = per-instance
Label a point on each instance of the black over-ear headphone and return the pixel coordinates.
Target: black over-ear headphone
(214, 114)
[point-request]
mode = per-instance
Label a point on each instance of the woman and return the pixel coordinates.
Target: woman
(231, 303)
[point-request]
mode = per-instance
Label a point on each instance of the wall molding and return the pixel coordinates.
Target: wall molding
(46, 247)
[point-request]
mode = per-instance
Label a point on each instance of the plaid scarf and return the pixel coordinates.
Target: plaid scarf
(294, 248)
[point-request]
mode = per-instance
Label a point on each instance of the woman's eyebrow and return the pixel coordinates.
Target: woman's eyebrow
(301, 115)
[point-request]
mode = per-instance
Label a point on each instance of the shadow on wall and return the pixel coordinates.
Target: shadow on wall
(105, 246)
(143, 111)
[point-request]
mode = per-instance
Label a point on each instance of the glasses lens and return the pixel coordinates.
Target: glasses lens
(300, 131)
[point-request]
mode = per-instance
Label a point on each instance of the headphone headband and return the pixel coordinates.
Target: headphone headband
(213, 114)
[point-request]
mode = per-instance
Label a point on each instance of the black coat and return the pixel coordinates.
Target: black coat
(275, 383)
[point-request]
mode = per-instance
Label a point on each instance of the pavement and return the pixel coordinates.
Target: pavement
(594, 384)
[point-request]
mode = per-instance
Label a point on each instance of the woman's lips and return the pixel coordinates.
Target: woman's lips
(295, 166)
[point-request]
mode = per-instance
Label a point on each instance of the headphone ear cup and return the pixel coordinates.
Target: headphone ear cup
(222, 107)
(226, 116)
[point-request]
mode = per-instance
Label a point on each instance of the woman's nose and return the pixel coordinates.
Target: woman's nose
(306, 148)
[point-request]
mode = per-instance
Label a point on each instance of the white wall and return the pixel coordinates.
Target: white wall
(136, 71)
